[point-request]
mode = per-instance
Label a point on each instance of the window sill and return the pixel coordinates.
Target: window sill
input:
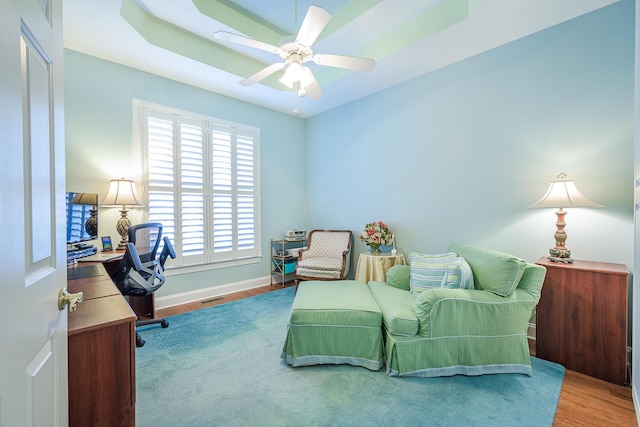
(194, 268)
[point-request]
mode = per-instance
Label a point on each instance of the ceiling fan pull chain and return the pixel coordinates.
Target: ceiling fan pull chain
(295, 16)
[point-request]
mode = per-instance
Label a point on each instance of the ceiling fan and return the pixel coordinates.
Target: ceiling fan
(296, 53)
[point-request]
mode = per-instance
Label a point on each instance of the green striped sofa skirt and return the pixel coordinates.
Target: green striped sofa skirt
(334, 322)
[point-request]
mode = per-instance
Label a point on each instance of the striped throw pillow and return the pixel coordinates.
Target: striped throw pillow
(428, 271)
(459, 275)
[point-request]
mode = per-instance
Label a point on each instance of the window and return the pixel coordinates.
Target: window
(201, 182)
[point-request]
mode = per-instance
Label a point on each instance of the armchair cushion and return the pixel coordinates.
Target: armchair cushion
(321, 263)
(398, 277)
(327, 244)
(398, 308)
(493, 271)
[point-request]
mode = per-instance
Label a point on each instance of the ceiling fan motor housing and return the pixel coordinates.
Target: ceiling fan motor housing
(295, 52)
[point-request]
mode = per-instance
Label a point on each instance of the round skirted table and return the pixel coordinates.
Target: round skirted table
(374, 266)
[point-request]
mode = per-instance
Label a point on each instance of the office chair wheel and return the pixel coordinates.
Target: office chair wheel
(139, 341)
(164, 324)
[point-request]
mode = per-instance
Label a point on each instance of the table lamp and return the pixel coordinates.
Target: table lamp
(122, 192)
(91, 226)
(562, 194)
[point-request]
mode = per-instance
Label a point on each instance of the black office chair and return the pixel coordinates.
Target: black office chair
(140, 273)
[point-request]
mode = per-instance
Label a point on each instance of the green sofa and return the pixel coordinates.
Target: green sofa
(443, 332)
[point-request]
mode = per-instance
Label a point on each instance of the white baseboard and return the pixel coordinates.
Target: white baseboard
(212, 292)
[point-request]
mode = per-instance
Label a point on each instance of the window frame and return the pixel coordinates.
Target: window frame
(209, 259)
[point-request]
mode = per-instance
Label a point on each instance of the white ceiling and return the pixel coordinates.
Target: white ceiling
(381, 28)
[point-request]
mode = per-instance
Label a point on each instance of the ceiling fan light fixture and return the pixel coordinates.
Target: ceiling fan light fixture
(296, 73)
(306, 77)
(291, 75)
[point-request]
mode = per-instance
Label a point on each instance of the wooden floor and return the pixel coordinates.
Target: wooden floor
(584, 401)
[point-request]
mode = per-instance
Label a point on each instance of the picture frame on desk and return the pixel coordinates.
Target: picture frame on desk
(107, 246)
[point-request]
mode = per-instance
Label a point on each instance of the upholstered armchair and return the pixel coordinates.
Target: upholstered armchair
(450, 329)
(327, 256)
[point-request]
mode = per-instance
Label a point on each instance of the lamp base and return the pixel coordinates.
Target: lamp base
(122, 226)
(567, 260)
(560, 253)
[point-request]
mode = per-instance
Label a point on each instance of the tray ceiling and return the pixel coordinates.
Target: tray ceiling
(174, 39)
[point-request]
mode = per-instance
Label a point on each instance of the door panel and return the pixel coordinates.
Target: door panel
(33, 332)
(41, 372)
(37, 78)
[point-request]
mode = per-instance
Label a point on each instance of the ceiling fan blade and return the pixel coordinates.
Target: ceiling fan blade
(263, 74)
(313, 88)
(314, 22)
(246, 41)
(341, 61)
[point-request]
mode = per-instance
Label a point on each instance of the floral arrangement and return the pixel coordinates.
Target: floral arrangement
(376, 234)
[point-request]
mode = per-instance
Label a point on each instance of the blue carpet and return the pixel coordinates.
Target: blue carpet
(221, 366)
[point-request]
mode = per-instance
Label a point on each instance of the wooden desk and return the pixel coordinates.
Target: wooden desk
(145, 306)
(581, 319)
(374, 266)
(102, 383)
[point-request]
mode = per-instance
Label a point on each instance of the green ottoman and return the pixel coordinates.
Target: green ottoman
(334, 322)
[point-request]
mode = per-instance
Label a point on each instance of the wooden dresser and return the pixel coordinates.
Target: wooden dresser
(102, 383)
(581, 319)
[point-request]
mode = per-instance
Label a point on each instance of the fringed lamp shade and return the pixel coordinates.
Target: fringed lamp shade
(562, 194)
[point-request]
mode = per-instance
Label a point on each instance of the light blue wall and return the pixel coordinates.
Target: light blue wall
(458, 154)
(455, 155)
(98, 109)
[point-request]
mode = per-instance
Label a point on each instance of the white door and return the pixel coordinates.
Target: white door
(33, 332)
(635, 291)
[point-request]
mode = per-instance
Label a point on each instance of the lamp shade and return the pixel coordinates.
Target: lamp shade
(122, 192)
(85, 199)
(564, 194)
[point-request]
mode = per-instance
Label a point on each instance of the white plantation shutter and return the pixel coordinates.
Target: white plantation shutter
(160, 161)
(201, 185)
(245, 173)
(233, 159)
(192, 189)
(223, 207)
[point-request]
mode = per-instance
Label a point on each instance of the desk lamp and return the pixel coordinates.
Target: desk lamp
(562, 194)
(91, 226)
(122, 192)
